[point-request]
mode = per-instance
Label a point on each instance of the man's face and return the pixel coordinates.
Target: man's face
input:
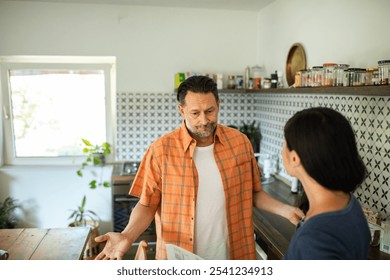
(200, 113)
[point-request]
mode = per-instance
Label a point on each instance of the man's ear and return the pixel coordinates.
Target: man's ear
(181, 109)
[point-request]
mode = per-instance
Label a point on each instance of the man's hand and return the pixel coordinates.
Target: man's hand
(117, 245)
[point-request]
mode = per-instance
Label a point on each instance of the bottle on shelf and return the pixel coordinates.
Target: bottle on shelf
(247, 75)
(274, 80)
(280, 79)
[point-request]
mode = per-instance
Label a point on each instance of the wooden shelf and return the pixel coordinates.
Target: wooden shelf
(361, 90)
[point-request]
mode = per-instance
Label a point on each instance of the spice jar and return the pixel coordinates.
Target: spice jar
(267, 83)
(368, 81)
(329, 74)
(357, 76)
(375, 77)
(305, 78)
(239, 81)
(298, 79)
(317, 73)
(231, 83)
(384, 70)
(256, 83)
(347, 80)
(339, 73)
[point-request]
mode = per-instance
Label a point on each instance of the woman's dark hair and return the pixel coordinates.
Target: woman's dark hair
(325, 142)
(197, 84)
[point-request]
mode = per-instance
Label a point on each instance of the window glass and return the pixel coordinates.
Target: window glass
(49, 109)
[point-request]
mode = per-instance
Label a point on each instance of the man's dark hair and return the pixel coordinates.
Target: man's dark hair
(197, 84)
(325, 142)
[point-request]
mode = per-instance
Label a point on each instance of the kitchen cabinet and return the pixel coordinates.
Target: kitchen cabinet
(273, 233)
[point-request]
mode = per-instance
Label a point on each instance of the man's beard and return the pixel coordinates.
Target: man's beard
(208, 130)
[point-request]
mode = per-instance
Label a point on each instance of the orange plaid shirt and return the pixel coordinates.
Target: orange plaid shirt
(167, 177)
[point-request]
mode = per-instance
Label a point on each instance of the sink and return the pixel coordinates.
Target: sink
(265, 181)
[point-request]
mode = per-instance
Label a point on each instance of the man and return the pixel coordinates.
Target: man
(200, 183)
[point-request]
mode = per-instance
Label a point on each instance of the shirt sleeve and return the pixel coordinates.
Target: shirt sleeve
(147, 182)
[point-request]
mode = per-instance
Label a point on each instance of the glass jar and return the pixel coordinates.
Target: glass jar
(239, 81)
(339, 73)
(384, 70)
(267, 83)
(357, 76)
(256, 83)
(347, 80)
(298, 79)
(368, 81)
(375, 77)
(317, 74)
(305, 78)
(231, 83)
(329, 75)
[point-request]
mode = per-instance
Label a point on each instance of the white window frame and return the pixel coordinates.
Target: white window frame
(106, 63)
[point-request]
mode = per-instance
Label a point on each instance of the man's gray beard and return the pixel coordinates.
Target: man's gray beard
(203, 135)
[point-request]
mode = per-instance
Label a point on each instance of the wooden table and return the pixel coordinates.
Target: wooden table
(44, 244)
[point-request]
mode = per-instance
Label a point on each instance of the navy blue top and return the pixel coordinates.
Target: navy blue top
(334, 235)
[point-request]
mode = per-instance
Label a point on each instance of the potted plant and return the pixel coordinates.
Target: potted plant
(96, 156)
(252, 131)
(81, 217)
(8, 218)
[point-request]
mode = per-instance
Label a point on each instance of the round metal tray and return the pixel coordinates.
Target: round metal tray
(296, 60)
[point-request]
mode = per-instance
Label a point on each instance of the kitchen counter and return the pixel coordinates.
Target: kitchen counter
(273, 233)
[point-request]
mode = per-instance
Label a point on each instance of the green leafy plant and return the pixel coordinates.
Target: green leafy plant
(8, 218)
(252, 131)
(81, 215)
(96, 155)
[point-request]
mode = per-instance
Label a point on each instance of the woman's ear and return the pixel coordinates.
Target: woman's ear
(295, 160)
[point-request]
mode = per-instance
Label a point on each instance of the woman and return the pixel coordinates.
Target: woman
(320, 150)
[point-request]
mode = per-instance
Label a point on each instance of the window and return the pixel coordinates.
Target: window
(50, 103)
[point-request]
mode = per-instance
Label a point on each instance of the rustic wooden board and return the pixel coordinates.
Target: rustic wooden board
(62, 244)
(44, 244)
(8, 237)
(27, 242)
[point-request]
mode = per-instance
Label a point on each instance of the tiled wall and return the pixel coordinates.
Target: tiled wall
(144, 117)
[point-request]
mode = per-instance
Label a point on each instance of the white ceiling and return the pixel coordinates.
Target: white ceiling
(240, 5)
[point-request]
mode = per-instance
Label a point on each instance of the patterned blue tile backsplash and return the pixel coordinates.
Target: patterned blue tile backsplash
(143, 117)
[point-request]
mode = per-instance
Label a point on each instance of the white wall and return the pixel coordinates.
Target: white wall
(151, 45)
(354, 32)
(49, 193)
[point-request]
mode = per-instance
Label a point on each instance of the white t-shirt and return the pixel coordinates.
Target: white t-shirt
(211, 234)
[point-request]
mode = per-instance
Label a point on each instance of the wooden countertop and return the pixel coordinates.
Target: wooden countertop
(275, 232)
(44, 244)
